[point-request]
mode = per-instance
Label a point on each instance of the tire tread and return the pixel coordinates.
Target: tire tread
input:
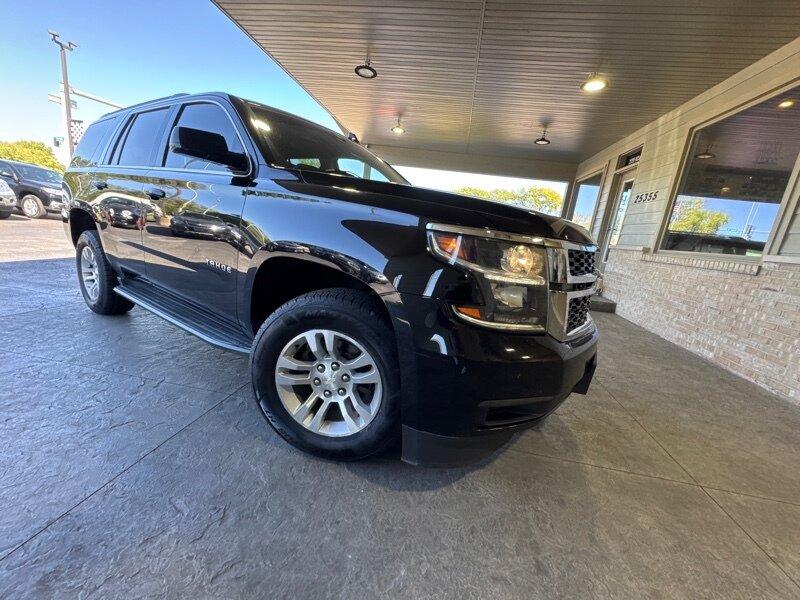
(109, 303)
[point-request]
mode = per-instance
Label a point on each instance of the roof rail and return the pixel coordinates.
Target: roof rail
(178, 95)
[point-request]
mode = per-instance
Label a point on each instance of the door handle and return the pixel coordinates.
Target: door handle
(156, 193)
(100, 185)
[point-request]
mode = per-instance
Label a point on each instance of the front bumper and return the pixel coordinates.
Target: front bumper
(55, 202)
(475, 387)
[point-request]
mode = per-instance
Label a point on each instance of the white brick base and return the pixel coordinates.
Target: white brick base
(747, 323)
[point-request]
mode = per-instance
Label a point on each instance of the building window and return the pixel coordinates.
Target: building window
(586, 197)
(735, 178)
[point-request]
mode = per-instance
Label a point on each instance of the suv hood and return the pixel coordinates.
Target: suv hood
(439, 207)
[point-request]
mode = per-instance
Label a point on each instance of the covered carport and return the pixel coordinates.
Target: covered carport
(474, 83)
(477, 85)
(137, 462)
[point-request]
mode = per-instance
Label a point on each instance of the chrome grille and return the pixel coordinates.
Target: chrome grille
(578, 312)
(581, 262)
(572, 281)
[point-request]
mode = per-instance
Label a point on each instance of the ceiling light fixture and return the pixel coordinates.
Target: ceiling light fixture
(705, 154)
(788, 103)
(542, 141)
(365, 71)
(398, 129)
(594, 83)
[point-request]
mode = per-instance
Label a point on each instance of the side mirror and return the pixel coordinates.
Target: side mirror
(206, 145)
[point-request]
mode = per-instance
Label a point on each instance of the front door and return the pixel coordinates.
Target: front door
(617, 217)
(191, 231)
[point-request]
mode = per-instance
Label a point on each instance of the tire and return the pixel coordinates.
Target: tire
(5, 214)
(97, 282)
(360, 334)
(32, 207)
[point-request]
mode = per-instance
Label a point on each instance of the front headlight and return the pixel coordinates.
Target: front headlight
(511, 275)
(53, 191)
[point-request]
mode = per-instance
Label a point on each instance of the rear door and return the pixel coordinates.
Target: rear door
(116, 188)
(192, 234)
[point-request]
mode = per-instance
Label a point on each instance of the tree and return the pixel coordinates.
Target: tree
(35, 153)
(534, 198)
(692, 217)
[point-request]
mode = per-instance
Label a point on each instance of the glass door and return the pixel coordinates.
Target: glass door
(611, 237)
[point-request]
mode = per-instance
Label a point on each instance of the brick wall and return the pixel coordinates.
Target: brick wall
(747, 322)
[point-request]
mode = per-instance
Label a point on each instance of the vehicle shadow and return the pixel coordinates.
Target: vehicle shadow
(391, 473)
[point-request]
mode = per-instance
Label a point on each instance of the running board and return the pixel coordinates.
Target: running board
(188, 316)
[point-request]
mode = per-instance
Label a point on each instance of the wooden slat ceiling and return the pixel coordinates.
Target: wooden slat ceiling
(484, 76)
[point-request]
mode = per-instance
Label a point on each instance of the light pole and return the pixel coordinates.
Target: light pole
(64, 46)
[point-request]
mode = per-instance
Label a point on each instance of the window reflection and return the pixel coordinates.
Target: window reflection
(586, 201)
(737, 174)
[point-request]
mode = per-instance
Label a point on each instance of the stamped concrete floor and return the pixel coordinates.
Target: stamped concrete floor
(135, 464)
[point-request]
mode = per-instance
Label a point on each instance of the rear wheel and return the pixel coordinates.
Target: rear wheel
(324, 369)
(32, 207)
(96, 277)
(4, 214)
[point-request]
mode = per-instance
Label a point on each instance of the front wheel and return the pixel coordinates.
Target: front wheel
(325, 374)
(32, 207)
(5, 214)
(96, 277)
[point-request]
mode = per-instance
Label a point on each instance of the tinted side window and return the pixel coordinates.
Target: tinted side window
(140, 138)
(205, 117)
(92, 142)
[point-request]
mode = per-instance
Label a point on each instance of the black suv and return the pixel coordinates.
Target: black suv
(38, 190)
(372, 311)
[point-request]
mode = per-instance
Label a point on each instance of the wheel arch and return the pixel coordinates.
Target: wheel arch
(30, 192)
(281, 277)
(80, 220)
(309, 272)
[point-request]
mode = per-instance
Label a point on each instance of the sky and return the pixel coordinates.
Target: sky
(134, 51)
(129, 52)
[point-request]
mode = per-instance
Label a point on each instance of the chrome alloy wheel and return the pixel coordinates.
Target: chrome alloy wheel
(329, 383)
(89, 273)
(30, 207)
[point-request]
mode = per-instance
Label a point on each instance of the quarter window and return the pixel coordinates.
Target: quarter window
(92, 142)
(142, 135)
(204, 117)
(734, 181)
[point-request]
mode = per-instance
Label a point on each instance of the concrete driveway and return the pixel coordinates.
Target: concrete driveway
(135, 463)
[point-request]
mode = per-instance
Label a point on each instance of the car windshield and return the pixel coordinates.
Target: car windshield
(38, 174)
(297, 145)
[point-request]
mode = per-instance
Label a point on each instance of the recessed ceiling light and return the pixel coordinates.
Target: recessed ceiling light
(398, 129)
(542, 141)
(594, 83)
(725, 189)
(788, 103)
(366, 71)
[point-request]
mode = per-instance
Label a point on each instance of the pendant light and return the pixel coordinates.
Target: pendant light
(542, 141)
(365, 71)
